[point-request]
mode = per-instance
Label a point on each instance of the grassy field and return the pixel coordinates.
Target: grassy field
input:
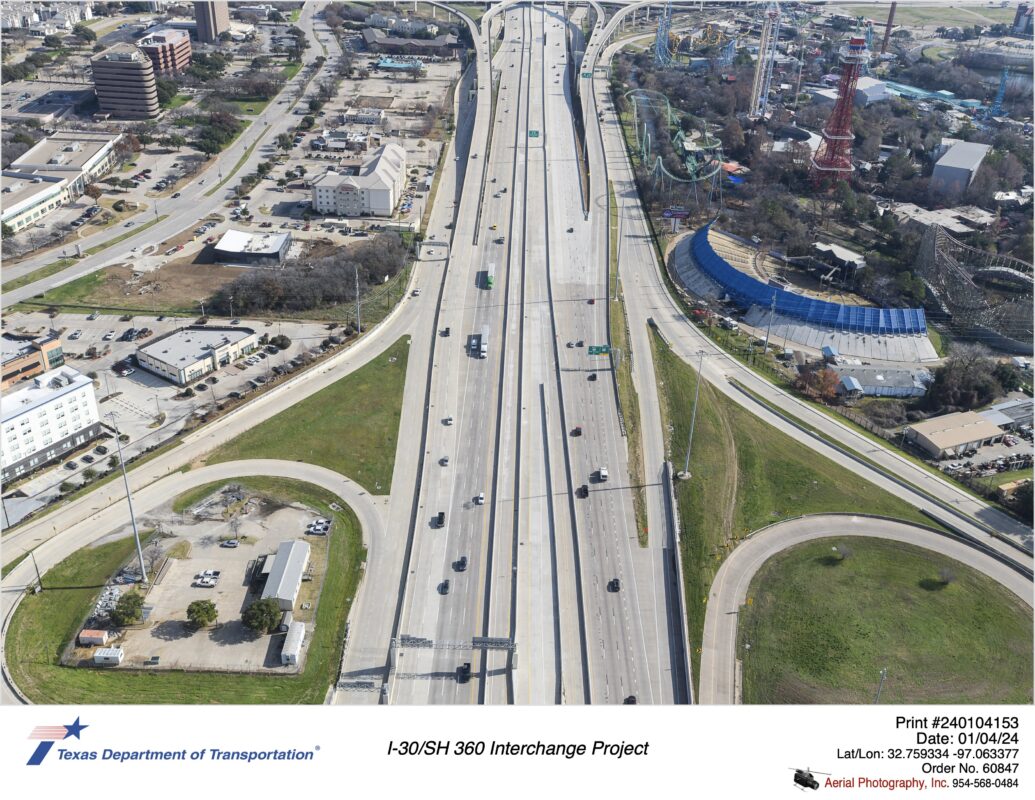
(626, 391)
(39, 274)
(291, 69)
(474, 10)
(350, 427)
(237, 166)
(44, 623)
(821, 629)
(746, 474)
(257, 106)
(932, 16)
(179, 100)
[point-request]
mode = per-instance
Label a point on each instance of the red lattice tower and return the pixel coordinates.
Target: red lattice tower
(833, 160)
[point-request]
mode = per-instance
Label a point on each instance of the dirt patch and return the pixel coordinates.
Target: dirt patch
(374, 101)
(175, 285)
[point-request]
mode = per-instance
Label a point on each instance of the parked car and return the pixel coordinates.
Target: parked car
(231, 543)
(75, 334)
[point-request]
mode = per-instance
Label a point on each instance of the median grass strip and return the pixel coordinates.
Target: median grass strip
(626, 390)
(745, 475)
(13, 563)
(821, 628)
(38, 274)
(237, 166)
(45, 623)
(350, 427)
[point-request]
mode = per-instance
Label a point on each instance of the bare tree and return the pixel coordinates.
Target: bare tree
(946, 575)
(153, 555)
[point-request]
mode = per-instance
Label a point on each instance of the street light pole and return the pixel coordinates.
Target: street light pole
(39, 578)
(359, 324)
(231, 306)
(129, 500)
(618, 255)
(693, 418)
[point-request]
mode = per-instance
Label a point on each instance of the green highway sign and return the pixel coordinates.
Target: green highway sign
(599, 349)
(587, 74)
(533, 134)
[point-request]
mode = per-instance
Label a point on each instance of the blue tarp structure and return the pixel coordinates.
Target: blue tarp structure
(748, 291)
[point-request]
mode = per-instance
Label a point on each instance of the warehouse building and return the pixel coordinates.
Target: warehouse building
(124, 79)
(363, 116)
(867, 91)
(879, 382)
(257, 250)
(285, 578)
(953, 434)
(1010, 415)
(955, 170)
(54, 414)
(375, 191)
(187, 354)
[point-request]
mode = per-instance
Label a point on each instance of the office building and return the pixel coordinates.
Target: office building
(188, 354)
(254, 249)
(953, 434)
(213, 18)
(124, 79)
(26, 357)
(375, 191)
(168, 49)
(54, 414)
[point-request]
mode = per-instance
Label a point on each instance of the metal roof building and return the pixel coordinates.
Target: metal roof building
(292, 649)
(264, 249)
(1010, 414)
(955, 170)
(952, 434)
(286, 576)
(880, 382)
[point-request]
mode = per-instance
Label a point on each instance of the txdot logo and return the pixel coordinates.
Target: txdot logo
(48, 734)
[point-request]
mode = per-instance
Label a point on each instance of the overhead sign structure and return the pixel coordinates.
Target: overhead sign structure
(599, 349)
(492, 643)
(675, 213)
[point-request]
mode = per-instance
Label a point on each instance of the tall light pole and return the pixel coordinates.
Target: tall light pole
(231, 306)
(693, 418)
(769, 329)
(202, 307)
(880, 686)
(359, 324)
(618, 255)
(129, 500)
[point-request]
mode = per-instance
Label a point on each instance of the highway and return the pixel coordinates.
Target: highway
(184, 212)
(719, 684)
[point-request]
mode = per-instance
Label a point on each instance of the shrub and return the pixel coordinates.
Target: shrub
(262, 615)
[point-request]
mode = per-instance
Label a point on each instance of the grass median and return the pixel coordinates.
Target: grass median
(745, 475)
(627, 396)
(821, 628)
(351, 427)
(45, 623)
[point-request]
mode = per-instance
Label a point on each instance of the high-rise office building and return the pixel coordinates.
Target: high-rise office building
(168, 49)
(124, 79)
(213, 18)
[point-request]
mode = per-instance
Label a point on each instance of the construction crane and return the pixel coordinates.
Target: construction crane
(766, 59)
(996, 109)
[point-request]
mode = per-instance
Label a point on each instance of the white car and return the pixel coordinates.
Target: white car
(480, 499)
(108, 336)
(75, 334)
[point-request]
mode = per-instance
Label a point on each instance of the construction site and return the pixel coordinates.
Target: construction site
(808, 176)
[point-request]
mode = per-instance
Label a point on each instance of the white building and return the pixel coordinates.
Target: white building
(190, 353)
(955, 170)
(257, 249)
(363, 116)
(53, 172)
(354, 141)
(108, 657)
(292, 650)
(55, 413)
(375, 191)
(286, 575)
(55, 16)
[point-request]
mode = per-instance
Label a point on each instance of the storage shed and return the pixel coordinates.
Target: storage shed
(286, 576)
(292, 650)
(88, 636)
(108, 657)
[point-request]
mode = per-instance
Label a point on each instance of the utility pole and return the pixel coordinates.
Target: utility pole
(772, 313)
(129, 500)
(880, 686)
(39, 578)
(693, 418)
(359, 325)
(231, 306)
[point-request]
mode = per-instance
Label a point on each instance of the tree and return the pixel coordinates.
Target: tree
(66, 487)
(89, 474)
(93, 191)
(1022, 499)
(52, 41)
(732, 137)
(262, 615)
(128, 609)
(6, 230)
(166, 91)
(113, 462)
(152, 555)
(202, 613)
(85, 32)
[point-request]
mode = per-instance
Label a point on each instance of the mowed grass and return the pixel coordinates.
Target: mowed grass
(932, 16)
(821, 629)
(45, 623)
(746, 474)
(351, 427)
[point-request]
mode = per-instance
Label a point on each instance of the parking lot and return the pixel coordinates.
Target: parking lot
(199, 546)
(146, 408)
